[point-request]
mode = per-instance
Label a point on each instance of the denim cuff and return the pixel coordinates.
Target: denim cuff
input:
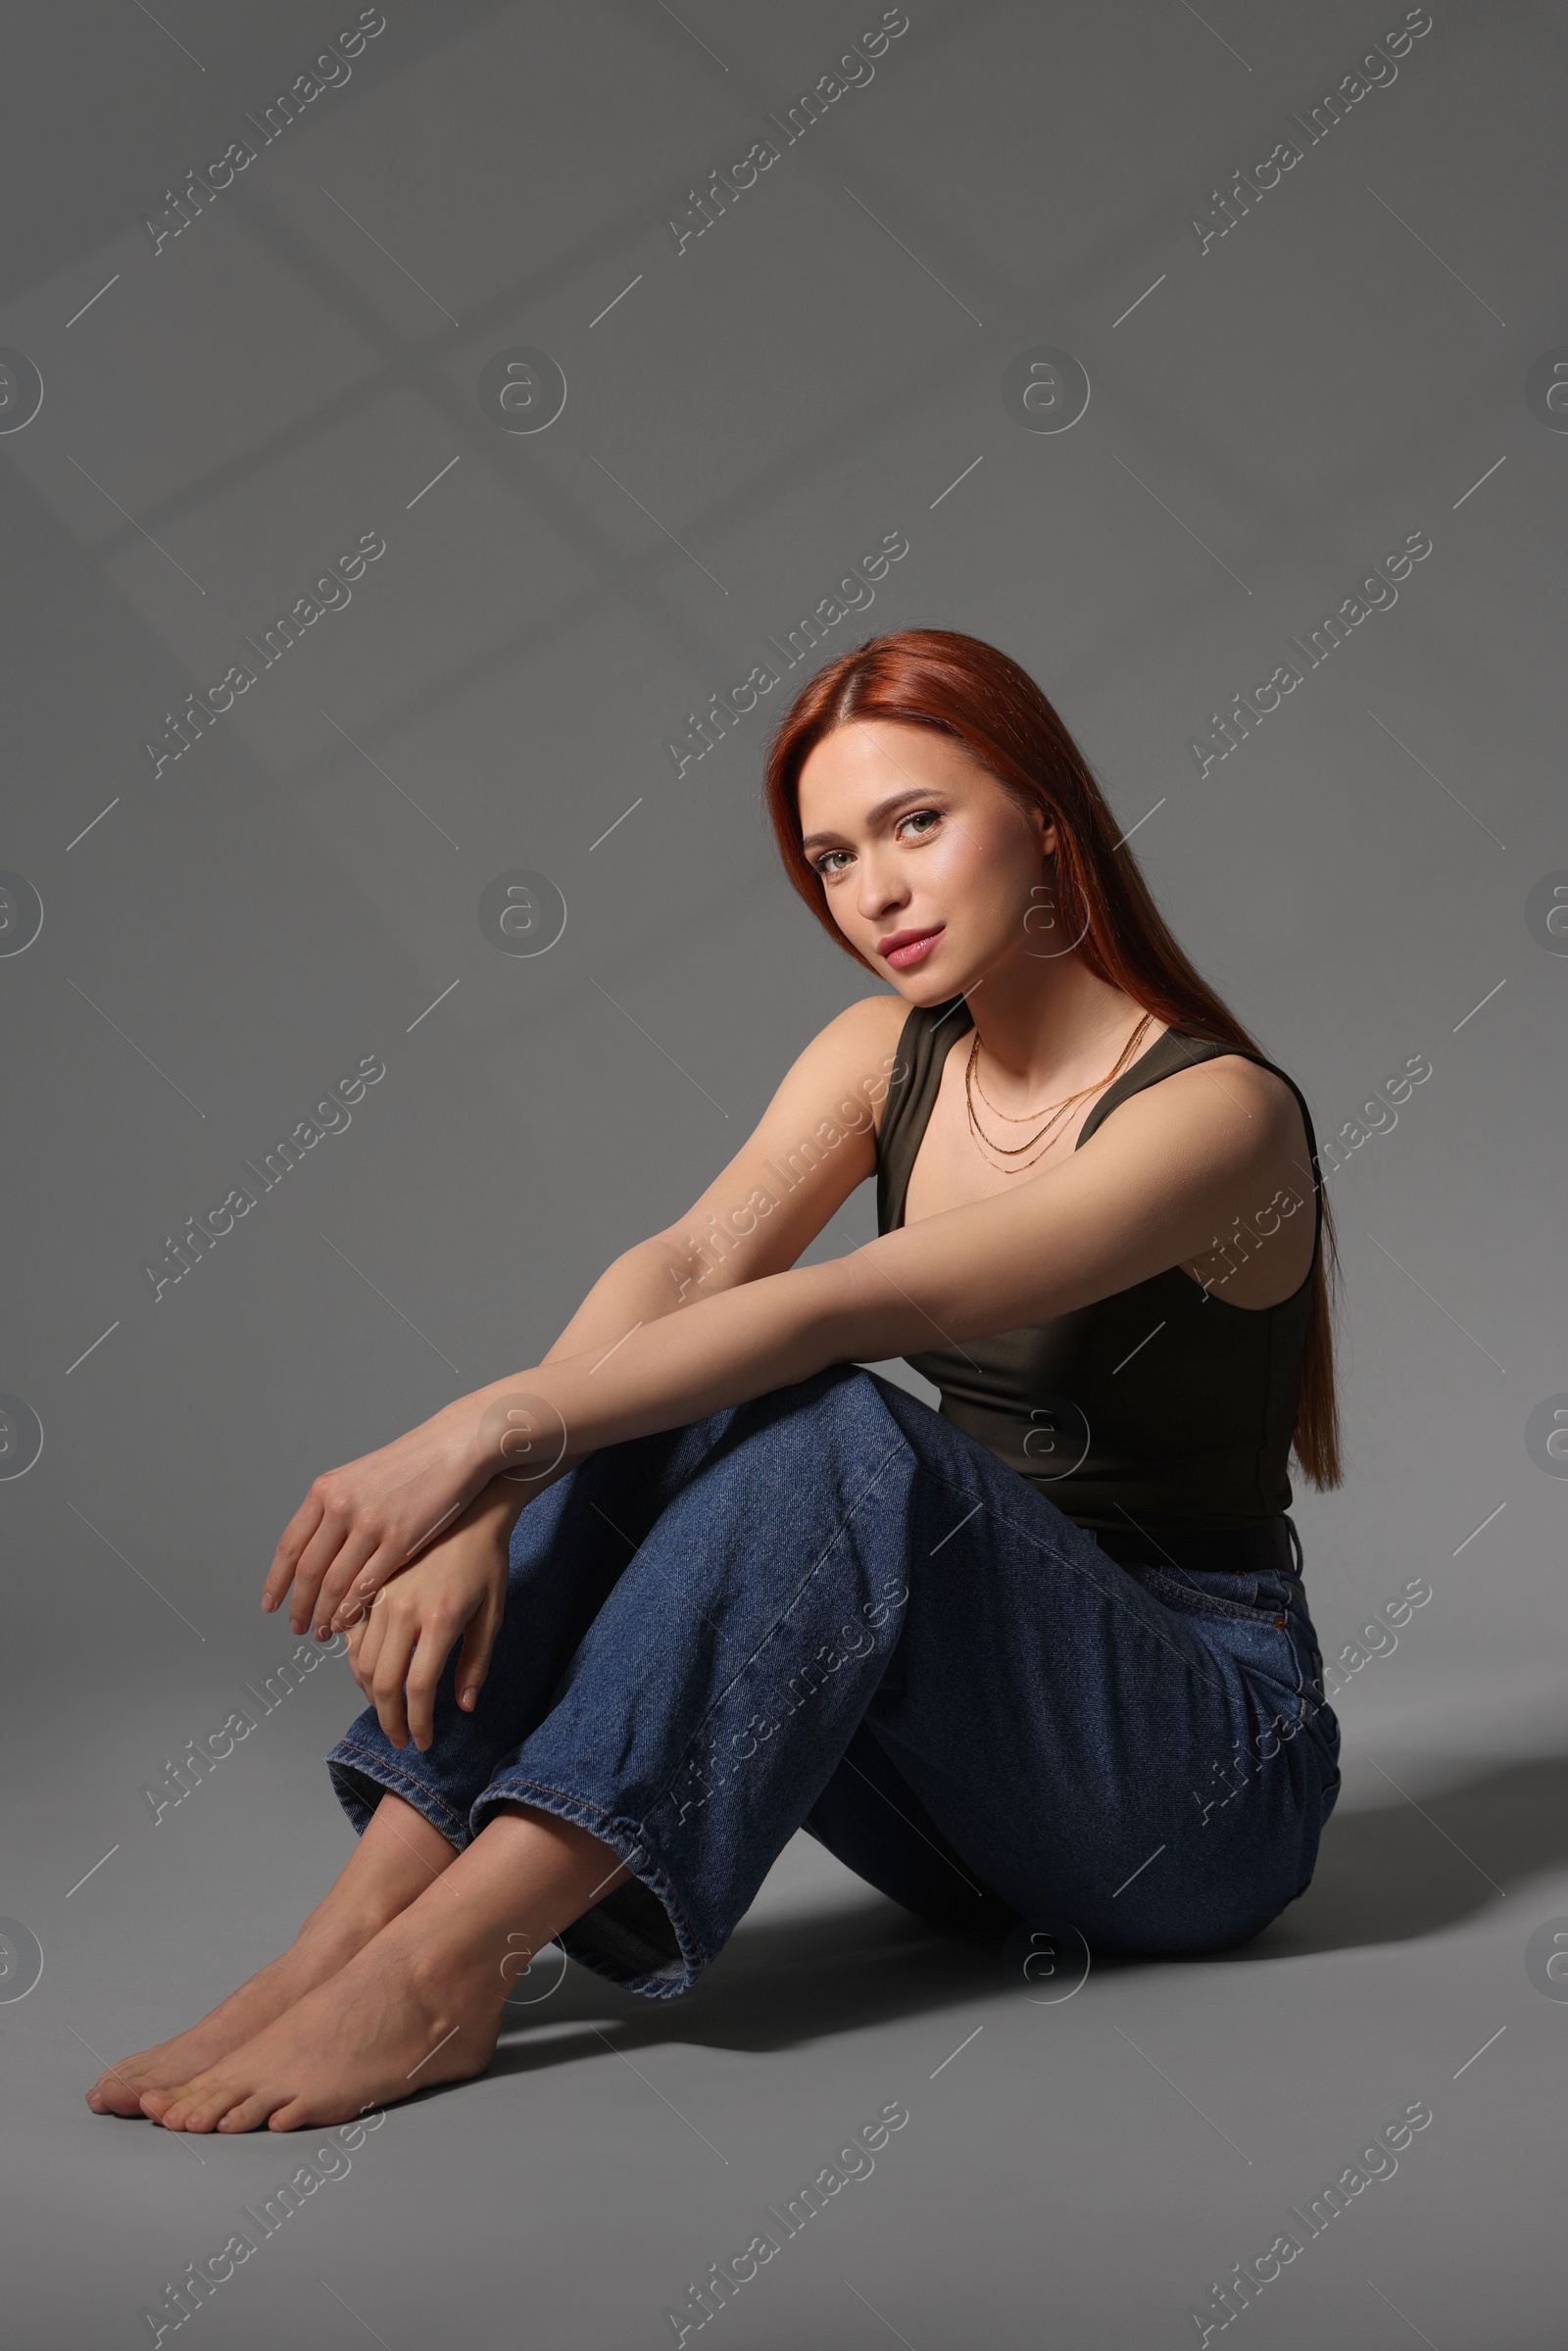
(361, 1776)
(639, 1936)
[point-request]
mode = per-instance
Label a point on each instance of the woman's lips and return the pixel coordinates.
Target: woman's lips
(916, 947)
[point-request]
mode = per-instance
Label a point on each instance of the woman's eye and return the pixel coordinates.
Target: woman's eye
(833, 862)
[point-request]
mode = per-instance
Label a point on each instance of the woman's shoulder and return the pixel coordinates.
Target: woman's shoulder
(872, 1024)
(862, 1055)
(858, 1048)
(1248, 1069)
(1189, 1085)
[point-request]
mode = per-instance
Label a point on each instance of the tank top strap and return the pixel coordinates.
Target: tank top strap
(924, 1043)
(1173, 1049)
(1183, 1048)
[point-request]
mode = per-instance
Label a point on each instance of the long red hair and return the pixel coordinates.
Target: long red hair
(965, 688)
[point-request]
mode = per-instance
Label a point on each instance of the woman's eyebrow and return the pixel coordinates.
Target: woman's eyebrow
(884, 808)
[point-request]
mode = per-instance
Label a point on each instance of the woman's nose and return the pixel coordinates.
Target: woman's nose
(880, 892)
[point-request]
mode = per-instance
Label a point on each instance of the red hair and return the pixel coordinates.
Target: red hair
(964, 688)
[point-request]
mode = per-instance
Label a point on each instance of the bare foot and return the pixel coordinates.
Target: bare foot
(395, 2020)
(393, 1862)
(419, 2005)
(307, 1962)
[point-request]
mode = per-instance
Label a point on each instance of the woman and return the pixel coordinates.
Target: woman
(697, 1581)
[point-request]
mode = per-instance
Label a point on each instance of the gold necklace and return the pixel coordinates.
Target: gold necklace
(974, 1057)
(1056, 1110)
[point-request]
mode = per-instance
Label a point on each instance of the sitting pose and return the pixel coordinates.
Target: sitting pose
(698, 1580)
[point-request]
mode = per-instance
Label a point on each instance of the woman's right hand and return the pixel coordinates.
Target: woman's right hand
(400, 1644)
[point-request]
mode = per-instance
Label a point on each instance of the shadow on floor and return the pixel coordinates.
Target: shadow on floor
(1405, 1870)
(1392, 1874)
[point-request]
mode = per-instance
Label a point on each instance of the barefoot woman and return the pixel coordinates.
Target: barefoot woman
(697, 1581)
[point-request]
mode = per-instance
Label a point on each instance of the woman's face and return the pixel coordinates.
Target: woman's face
(928, 865)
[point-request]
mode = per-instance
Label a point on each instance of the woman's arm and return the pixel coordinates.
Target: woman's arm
(639, 1286)
(1156, 1187)
(813, 1145)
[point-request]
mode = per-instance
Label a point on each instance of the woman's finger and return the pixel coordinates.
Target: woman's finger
(474, 1662)
(359, 1664)
(336, 1528)
(360, 1548)
(374, 1577)
(353, 1644)
(290, 1544)
(372, 1627)
(391, 1672)
(425, 1676)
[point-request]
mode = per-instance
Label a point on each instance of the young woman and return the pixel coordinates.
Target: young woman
(697, 1581)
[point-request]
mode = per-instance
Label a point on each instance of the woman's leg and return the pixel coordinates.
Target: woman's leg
(1141, 1754)
(569, 1548)
(838, 1557)
(565, 1553)
(691, 1521)
(835, 1554)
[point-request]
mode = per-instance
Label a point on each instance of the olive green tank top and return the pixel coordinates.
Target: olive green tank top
(1162, 1406)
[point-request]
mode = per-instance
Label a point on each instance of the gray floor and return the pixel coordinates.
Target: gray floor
(1073, 2169)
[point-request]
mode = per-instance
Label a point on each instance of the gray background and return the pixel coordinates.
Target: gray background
(1341, 369)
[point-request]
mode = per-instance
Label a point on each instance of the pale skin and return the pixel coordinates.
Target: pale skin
(397, 1979)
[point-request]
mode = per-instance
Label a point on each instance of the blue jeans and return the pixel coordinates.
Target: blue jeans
(831, 1609)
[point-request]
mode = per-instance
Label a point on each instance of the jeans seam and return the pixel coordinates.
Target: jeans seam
(1230, 1611)
(396, 1772)
(566, 1796)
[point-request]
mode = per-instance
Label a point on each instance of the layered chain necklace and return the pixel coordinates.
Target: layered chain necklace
(1053, 1113)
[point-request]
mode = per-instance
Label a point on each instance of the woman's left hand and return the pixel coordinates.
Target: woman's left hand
(397, 1648)
(366, 1519)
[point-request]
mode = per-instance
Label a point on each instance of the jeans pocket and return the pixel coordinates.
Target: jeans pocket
(1259, 1620)
(1264, 1621)
(1217, 1594)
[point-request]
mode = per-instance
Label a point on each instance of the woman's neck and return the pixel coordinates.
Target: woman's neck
(1049, 1028)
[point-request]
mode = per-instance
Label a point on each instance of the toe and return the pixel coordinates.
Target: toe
(201, 2104)
(247, 2115)
(202, 2117)
(114, 2094)
(170, 2107)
